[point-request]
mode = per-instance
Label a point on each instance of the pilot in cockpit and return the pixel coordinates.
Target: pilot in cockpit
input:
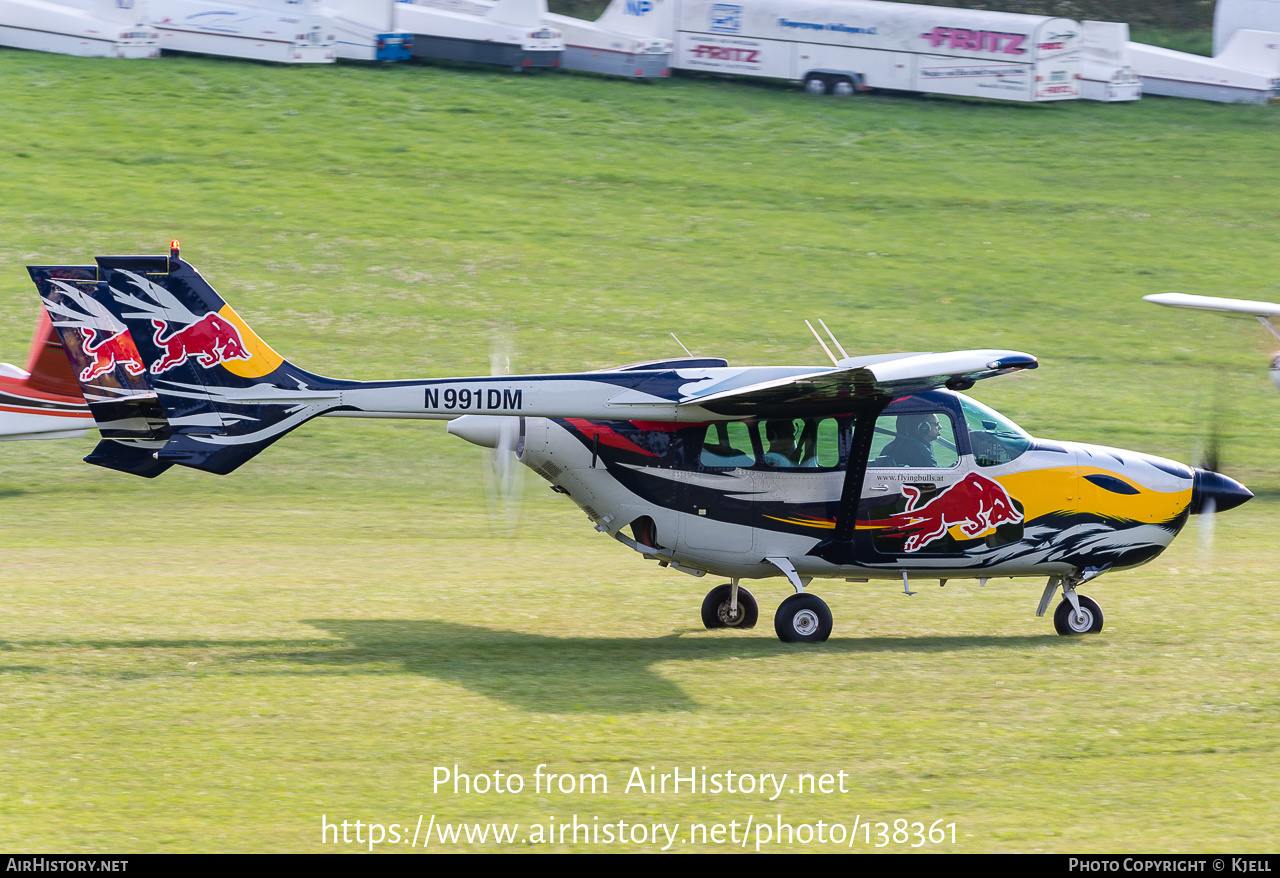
(913, 445)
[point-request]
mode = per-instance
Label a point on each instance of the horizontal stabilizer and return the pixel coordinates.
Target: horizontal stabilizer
(134, 458)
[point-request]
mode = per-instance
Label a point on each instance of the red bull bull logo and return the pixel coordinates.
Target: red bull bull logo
(974, 504)
(211, 340)
(109, 352)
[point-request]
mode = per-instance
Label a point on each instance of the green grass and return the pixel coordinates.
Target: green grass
(1197, 42)
(205, 664)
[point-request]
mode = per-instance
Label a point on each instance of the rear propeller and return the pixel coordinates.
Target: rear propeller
(504, 475)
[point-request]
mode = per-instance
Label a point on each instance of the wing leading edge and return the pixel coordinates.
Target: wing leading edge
(1264, 311)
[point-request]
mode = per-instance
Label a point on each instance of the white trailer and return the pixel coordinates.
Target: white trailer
(1247, 70)
(1106, 70)
(509, 33)
(89, 28)
(631, 38)
(364, 30)
(844, 46)
(1230, 16)
(285, 31)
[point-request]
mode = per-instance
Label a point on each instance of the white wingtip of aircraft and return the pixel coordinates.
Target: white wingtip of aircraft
(1264, 311)
(1213, 303)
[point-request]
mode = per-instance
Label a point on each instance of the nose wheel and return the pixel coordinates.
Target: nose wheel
(803, 618)
(1087, 620)
(718, 610)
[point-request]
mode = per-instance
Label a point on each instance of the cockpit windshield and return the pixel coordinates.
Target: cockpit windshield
(994, 438)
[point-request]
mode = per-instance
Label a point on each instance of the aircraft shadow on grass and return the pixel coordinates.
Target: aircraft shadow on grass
(587, 674)
(532, 672)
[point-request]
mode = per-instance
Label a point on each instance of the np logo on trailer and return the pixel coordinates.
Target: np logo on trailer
(638, 8)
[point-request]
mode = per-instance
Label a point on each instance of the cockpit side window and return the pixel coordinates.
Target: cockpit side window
(995, 439)
(728, 444)
(916, 439)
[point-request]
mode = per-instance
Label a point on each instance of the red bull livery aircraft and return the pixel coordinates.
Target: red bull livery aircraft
(873, 468)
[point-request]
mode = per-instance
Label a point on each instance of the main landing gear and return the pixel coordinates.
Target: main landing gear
(721, 608)
(801, 618)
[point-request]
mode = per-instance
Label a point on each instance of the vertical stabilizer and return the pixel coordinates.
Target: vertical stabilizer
(225, 393)
(105, 368)
(1254, 50)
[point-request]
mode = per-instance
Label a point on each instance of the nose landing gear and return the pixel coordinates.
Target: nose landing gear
(1076, 614)
(1087, 619)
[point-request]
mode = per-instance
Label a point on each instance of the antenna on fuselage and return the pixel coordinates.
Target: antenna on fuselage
(682, 347)
(834, 361)
(834, 340)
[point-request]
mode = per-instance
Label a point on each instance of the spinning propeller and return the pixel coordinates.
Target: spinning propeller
(1212, 492)
(504, 476)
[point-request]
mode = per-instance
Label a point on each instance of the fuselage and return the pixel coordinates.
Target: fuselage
(864, 495)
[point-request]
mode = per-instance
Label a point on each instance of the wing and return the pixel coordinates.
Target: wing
(863, 378)
(1212, 303)
(1264, 311)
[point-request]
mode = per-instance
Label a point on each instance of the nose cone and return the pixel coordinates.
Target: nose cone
(477, 429)
(489, 431)
(1216, 489)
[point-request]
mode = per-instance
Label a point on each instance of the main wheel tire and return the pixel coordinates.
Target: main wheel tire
(816, 85)
(842, 87)
(717, 608)
(802, 618)
(1065, 621)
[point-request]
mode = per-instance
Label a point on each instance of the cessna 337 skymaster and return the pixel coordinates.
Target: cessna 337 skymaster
(1264, 311)
(874, 468)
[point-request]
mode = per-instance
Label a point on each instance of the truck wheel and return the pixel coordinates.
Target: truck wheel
(842, 87)
(815, 85)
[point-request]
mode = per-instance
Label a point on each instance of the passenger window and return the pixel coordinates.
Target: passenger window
(826, 442)
(727, 445)
(919, 439)
(797, 443)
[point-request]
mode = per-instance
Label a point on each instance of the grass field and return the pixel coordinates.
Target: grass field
(215, 664)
